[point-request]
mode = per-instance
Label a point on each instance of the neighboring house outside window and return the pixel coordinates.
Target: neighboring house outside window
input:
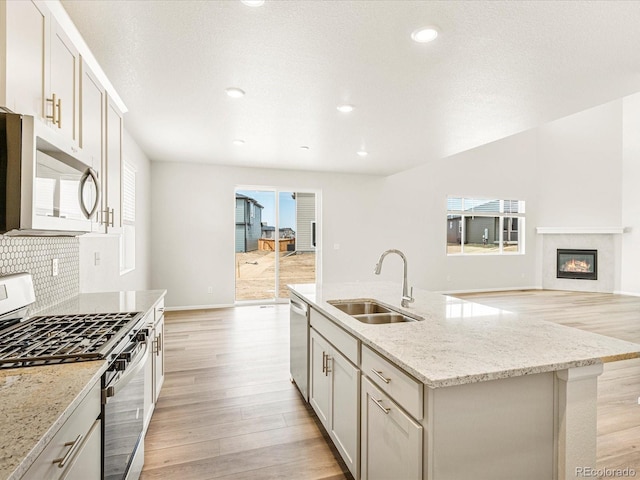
(128, 237)
(478, 226)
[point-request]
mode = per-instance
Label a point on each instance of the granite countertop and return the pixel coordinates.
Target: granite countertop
(461, 342)
(36, 401)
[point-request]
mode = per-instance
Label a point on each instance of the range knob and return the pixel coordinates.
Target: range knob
(142, 336)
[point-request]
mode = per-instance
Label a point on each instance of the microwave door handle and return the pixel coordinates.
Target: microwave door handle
(89, 173)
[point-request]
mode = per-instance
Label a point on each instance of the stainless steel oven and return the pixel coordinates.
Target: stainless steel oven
(123, 409)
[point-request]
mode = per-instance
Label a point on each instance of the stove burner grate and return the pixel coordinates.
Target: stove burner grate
(45, 340)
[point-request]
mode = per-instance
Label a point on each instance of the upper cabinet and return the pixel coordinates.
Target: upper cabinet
(93, 101)
(61, 99)
(113, 190)
(41, 67)
(24, 26)
(47, 71)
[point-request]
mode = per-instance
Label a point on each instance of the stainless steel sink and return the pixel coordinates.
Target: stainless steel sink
(370, 311)
(359, 307)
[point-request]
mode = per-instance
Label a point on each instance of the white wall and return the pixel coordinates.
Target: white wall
(192, 235)
(630, 268)
(106, 276)
(569, 172)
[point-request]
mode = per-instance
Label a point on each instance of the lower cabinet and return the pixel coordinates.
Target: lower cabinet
(333, 394)
(158, 356)
(391, 439)
(154, 368)
(74, 451)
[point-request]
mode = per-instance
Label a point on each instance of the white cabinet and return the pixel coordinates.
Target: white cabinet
(112, 180)
(391, 439)
(40, 67)
(333, 394)
(154, 368)
(62, 84)
(158, 362)
(92, 125)
(24, 25)
(74, 452)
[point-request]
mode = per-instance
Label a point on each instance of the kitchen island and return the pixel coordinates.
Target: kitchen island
(36, 402)
(501, 395)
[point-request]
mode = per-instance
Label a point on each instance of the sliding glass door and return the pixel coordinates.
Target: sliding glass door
(275, 242)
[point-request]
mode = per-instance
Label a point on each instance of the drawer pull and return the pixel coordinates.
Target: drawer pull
(328, 370)
(62, 462)
(324, 363)
(382, 407)
(379, 375)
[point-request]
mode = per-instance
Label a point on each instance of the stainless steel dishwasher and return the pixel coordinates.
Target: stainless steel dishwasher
(299, 344)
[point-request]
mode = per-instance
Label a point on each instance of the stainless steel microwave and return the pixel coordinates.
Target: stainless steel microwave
(45, 187)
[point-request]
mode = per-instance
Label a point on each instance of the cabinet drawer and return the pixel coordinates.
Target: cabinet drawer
(159, 310)
(71, 436)
(404, 389)
(340, 339)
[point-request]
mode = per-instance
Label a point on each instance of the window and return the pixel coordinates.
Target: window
(128, 237)
(484, 226)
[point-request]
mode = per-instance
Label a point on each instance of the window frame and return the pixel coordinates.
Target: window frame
(128, 253)
(500, 215)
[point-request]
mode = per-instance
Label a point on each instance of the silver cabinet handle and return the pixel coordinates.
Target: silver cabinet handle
(159, 350)
(382, 407)
(379, 375)
(89, 173)
(324, 362)
(62, 461)
(328, 370)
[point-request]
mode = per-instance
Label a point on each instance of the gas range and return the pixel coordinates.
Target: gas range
(46, 340)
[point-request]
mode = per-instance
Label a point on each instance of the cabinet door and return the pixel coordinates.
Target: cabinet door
(159, 359)
(320, 382)
(113, 169)
(92, 119)
(64, 71)
(391, 440)
(87, 463)
(26, 30)
(345, 383)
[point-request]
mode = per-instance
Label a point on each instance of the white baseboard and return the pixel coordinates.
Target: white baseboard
(631, 294)
(247, 303)
(485, 290)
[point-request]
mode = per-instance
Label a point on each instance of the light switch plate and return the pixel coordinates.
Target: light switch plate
(54, 267)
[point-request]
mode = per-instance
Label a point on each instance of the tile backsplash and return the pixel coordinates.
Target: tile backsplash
(35, 256)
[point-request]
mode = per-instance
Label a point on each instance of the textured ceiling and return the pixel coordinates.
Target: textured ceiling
(496, 69)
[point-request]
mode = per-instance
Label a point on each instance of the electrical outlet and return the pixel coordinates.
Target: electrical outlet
(336, 246)
(209, 290)
(96, 258)
(54, 267)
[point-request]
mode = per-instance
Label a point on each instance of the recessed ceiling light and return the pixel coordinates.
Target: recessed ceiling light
(425, 34)
(238, 142)
(345, 108)
(235, 92)
(253, 3)
(304, 147)
(363, 153)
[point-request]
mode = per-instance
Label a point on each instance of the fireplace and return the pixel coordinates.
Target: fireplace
(577, 264)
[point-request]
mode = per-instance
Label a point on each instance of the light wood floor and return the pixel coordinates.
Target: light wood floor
(227, 409)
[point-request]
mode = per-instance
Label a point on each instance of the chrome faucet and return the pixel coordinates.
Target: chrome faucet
(406, 297)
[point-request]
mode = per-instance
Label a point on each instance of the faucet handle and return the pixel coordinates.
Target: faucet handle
(409, 298)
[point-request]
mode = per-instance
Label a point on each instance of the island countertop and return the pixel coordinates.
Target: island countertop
(36, 401)
(460, 342)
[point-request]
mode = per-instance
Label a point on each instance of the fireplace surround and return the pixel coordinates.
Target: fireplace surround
(577, 264)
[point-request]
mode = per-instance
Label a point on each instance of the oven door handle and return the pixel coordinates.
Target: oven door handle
(131, 371)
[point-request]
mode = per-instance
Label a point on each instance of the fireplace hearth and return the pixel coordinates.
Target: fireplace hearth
(577, 264)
